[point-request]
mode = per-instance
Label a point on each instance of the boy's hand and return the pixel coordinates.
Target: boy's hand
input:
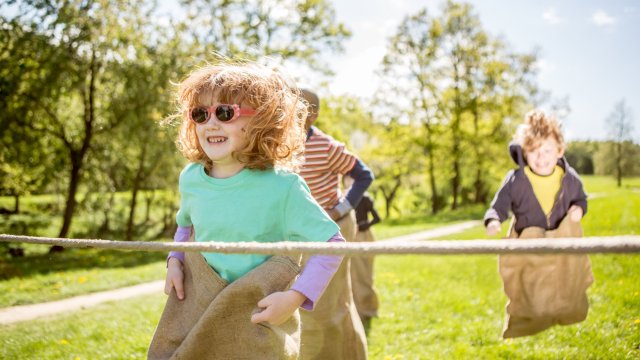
(175, 277)
(278, 307)
(493, 227)
(575, 213)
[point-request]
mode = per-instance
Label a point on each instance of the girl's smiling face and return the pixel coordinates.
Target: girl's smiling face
(543, 158)
(219, 140)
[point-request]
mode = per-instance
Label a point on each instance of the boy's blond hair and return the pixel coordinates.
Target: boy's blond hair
(537, 127)
(275, 133)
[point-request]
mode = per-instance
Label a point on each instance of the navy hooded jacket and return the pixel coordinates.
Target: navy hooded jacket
(516, 196)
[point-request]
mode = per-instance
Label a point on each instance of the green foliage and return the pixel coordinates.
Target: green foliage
(102, 215)
(463, 88)
(606, 160)
(84, 85)
(580, 155)
(621, 155)
(297, 31)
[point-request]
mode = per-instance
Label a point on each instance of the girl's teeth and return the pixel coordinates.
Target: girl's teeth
(216, 139)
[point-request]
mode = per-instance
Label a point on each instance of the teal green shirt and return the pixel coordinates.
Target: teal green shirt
(253, 205)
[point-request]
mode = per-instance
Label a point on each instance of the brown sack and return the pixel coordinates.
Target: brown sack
(333, 330)
(214, 319)
(545, 290)
(364, 294)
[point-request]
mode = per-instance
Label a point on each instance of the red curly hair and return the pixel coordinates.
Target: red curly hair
(275, 133)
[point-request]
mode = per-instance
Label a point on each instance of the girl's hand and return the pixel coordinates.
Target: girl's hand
(575, 213)
(493, 227)
(278, 307)
(175, 277)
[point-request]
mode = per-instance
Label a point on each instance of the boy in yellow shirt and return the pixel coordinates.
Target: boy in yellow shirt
(547, 199)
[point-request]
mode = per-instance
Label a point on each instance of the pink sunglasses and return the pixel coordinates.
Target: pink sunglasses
(223, 112)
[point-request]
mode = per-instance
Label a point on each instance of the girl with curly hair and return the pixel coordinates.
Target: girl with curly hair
(242, 128)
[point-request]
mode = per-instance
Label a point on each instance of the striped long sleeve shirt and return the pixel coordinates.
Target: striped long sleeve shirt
(326, 160)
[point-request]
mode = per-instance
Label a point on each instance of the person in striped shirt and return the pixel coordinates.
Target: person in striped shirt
(326, 161)
(333, 330)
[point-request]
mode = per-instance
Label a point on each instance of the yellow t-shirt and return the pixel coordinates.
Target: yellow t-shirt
(545, 187)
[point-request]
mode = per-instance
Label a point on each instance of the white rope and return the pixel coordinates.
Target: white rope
(606, 244)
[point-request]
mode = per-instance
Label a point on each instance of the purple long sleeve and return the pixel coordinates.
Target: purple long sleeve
(316, 275)
(182, 235)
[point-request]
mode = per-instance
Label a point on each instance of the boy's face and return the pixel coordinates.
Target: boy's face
(543, 159)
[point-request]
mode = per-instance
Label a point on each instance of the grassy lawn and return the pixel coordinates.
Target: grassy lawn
(121, 330)
(44, 277)
(432, 307)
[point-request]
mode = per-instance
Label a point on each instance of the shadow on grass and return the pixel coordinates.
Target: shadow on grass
(73, 259)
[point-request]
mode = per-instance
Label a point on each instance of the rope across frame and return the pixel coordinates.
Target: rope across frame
(605, 244)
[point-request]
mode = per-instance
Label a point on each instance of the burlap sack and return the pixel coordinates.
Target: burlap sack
(333, 330)
(545, 290)
(364, 294)
(214, 319)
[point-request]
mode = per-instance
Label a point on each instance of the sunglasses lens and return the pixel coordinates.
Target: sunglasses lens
(224, 112)
(199, 115)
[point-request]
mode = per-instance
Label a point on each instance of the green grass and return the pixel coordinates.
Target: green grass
(432, 307)
(45, 277)
(121, 330)
(438, 307)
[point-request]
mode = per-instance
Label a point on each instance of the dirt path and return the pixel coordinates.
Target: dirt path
(437, 232)
(21, 313)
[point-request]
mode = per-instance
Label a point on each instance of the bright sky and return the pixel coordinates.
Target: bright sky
(589, 50)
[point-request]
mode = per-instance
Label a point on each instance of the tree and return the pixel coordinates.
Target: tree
(412, 58)
(296, 31)
(24, 154)
(620, 129)
(464, 88)
(580, 155)
(88, 81)
(88, 38)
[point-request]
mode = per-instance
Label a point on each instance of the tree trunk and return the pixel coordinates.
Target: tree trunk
(149, 203)
(390, 196)
(456, 180)
(134, 191)
(480, 195)
(480, 191)
(132, 212)
(619, 163)
(16, 204)
(105, 227)
(435, 198)
(70, 205)
(78, 155)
